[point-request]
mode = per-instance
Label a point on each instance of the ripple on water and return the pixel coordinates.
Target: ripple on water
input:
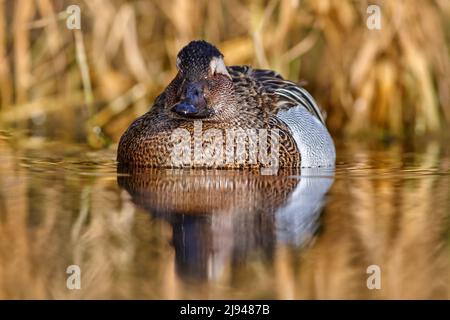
(224, 234)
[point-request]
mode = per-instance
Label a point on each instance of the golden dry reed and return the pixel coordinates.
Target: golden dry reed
(93, 82)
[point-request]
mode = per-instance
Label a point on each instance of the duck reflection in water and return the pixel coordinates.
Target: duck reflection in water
(229, 216)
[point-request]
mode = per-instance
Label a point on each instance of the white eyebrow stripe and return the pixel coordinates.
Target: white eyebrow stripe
(218, 66)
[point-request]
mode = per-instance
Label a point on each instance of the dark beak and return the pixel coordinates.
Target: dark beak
(192, 104)
(184, 109)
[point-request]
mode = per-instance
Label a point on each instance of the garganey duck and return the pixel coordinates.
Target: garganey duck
(212, 115)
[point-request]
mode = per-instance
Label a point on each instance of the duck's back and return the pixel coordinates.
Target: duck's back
(288, 107)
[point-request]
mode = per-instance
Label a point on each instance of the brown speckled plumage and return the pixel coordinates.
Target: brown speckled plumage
(239, 98)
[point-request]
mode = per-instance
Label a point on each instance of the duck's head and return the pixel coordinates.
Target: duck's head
(203, 88)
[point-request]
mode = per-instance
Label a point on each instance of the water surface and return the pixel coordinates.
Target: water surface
(185, 234)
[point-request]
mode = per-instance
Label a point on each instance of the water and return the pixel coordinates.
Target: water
(224, 234)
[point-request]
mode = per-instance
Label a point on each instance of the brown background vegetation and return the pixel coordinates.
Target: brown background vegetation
(70, 84)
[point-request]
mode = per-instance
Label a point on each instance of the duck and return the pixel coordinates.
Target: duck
(218, 116)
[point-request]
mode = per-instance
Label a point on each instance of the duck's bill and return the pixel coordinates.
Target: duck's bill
(185, 109)
(188, 110)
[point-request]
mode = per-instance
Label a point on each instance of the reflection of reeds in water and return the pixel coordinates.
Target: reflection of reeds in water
(395, 79)
(44, 231)
(396, 223)
(395, 219)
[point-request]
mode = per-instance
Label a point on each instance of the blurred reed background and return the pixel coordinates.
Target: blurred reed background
(89, 84)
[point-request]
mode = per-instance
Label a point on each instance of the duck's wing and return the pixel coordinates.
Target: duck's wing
(293, 108)
(288, 94)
